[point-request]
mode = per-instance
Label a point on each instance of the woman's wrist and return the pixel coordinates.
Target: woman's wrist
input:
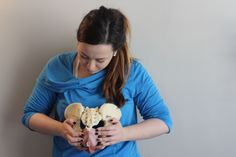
(59, 129)
(125, 134)
(144, 130)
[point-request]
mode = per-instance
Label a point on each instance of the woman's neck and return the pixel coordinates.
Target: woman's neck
(82, 73)
(78, 71)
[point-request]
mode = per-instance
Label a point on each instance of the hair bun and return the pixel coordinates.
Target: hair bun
(103, 10)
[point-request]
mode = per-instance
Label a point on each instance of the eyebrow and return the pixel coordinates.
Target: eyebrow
(88, 56)
(83, 53)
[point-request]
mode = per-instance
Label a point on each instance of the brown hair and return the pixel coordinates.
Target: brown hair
(109, 26)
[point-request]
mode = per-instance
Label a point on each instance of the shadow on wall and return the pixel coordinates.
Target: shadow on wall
(25, 73)
(28, 143)
(34, 44)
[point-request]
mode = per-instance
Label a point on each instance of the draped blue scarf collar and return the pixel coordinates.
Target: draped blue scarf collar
(58, 76)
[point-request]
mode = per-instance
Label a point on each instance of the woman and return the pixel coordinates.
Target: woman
(100, 71)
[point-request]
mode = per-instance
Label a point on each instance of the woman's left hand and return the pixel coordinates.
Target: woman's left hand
(110, 134)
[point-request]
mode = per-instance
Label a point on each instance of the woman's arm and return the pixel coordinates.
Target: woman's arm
(144, 130)
(151, 106)
(116, 133)
(46, 125)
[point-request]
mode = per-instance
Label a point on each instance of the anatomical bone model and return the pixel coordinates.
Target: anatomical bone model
(89, 118)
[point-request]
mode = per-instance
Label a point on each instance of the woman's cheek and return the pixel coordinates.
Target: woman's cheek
(83, 63)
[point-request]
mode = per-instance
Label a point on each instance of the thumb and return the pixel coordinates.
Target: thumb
(70, 122)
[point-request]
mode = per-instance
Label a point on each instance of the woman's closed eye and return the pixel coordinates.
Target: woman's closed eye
(100, 60)
(84, 57)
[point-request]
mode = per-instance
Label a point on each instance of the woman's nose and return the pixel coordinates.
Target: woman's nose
(91, 66)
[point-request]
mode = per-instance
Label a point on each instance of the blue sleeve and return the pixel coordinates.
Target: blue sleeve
(40, 101)
(148, 99)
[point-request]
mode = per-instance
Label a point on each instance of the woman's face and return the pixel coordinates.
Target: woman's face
(93, 58)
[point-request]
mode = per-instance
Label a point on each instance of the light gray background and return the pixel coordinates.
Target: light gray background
(188, 46)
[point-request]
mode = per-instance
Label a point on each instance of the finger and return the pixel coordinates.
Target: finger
(74, 143)
(79, 146)
(114, 120)
(99, 146)
(106, 139)
(77, 133)
(74, 139)
(83, 148)
(108, 143)
(102, 145)
(71, 132)
(81, 134)
(70, 122)
(106, 128)
(70, 129)
(106, 133)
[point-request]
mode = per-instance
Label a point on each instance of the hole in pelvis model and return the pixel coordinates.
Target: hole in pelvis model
(100, 124)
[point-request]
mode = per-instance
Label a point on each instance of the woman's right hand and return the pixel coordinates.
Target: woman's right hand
(73, 137)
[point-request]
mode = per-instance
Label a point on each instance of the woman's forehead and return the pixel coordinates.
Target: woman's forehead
(95, 50)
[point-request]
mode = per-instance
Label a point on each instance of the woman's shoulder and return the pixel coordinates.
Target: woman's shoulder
(138, 72)
(63, 57)
(138, 75)
(136, 66)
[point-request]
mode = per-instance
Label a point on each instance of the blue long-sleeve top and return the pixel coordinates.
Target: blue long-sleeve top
(57, 87)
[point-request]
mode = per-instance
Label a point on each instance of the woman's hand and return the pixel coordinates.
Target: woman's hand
(110, 134)
(73, 137)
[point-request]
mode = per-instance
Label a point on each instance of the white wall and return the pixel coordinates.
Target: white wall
(188, 46)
